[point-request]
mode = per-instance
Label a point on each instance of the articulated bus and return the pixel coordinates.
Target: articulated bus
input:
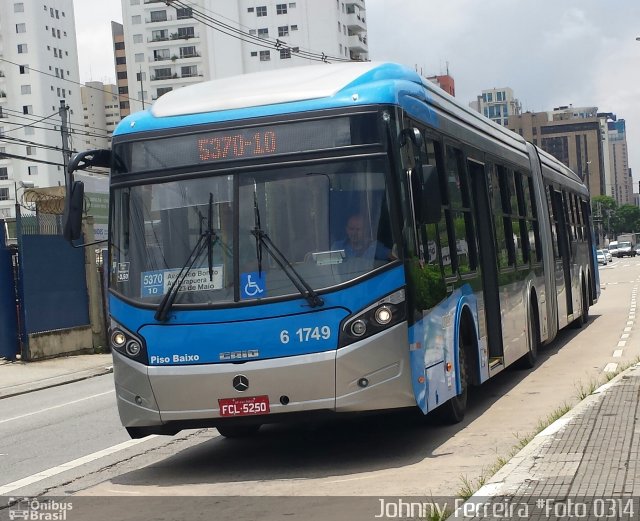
(328, 239)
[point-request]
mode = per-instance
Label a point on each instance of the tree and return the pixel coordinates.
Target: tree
(627, 219)
(603, 209)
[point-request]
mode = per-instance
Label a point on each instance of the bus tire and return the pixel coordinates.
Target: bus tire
(453, 410)
(583, 318)
(529, 360)
(238, 431)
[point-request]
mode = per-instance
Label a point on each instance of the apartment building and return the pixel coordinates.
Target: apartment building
(101, 114)
(619, 161)
(497, 104)
(39, 37)
(168, 47)
(577, 136)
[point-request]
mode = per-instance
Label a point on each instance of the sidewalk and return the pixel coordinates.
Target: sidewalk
(23, 377)
(589, 456)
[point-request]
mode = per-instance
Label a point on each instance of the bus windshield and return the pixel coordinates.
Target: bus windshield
(330, 222)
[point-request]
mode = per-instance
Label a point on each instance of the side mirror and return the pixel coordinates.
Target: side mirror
(73, 212)
(429, 198)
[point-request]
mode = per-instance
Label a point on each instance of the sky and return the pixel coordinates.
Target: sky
(550, 52)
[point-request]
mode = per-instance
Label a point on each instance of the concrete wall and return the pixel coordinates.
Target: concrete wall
(60, 342)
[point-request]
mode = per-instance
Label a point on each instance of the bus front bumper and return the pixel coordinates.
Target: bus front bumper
(373, 374)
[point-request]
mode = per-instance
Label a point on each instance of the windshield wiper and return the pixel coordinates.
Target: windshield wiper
(262, 239)
(208, 238)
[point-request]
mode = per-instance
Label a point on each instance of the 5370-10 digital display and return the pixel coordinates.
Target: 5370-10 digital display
(245, 143)
(238, 145)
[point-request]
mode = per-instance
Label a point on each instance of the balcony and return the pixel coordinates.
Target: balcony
(168, 18)
(356, 22)
(358, 43)
(179, 36)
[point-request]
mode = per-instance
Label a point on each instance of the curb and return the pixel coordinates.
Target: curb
(54, 381)
(517, 470)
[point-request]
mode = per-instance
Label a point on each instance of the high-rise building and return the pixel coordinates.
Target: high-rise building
(619, 158)
(498, 105)
(445, 82)
(168, 47)
(577, 136)
(101, 114)
(120, 62)
(39, 74)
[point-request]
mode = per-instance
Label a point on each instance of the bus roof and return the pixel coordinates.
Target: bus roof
(311, 87)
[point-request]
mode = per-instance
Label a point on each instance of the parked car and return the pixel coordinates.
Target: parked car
(601, 258)
(607, 255)
(613, 248)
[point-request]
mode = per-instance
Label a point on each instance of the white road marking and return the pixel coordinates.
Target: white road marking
(617, 353)
(622, 343)
(610, 368)
(627, 329)
(24, 482)
(624, 336)
(55, 407)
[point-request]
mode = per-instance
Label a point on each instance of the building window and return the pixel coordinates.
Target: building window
(294, 27)
(136, 19)
(27, 109)
(158, 16)
(135, 2)
(186, 32)
(189, 71)
(163, 90)
(254, 53)
(4, 173)
(21, 28)
(139, 58)
(249, 9)
(4, 194)
(188, 52)
(185, 12)
(283, 30)
(163, 74)
(137, 38)
(123, 90)
(285, 54)
(281, 8)
(30, 131)
(292, 5)
(265, 56)
(124, 104)
(25, 89)
(119, 46)
(31, 151)
(122, 75)
(24, 69)
(261, 10)
(141, 76)
(18, 7)
(263, 33)
(33, 170)
(159, 55)
(22, 48)
(121, 60)
(159, 35)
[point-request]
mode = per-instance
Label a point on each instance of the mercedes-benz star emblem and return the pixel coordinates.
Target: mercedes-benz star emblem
(240, 383)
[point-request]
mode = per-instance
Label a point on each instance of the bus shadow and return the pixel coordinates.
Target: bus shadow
(330, 448)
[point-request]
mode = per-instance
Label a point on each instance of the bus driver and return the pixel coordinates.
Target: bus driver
(358, 242)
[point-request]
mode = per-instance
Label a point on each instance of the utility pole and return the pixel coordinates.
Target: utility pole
(66, 150)
(141, 87)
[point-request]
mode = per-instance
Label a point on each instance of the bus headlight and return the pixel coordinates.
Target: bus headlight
(127, 344)
(375, 318)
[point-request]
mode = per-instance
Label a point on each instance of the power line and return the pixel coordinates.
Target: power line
(79, 125)
(16, 141)
(264, 42)
(24, 158)
(68, 80)
(31, 124)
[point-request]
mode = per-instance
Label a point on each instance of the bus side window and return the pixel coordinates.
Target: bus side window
(533, 226)
(460, 212)
(551, 202)
(525, 244)
(502, 208)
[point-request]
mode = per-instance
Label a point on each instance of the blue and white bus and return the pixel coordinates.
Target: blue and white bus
(329, 239)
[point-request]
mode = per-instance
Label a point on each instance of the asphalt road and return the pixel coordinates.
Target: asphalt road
(392, 455)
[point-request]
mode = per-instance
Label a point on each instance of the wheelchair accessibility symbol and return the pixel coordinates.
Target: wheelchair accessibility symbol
(252, 284)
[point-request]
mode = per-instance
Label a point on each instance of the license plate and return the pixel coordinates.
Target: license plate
(246, 406)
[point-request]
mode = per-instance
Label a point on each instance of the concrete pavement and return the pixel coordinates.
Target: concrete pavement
(23, 377)
(587, 462)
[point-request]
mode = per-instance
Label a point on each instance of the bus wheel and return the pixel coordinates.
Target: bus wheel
(529, 360)
(453, 410)
(238, 431)
(584, 315)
